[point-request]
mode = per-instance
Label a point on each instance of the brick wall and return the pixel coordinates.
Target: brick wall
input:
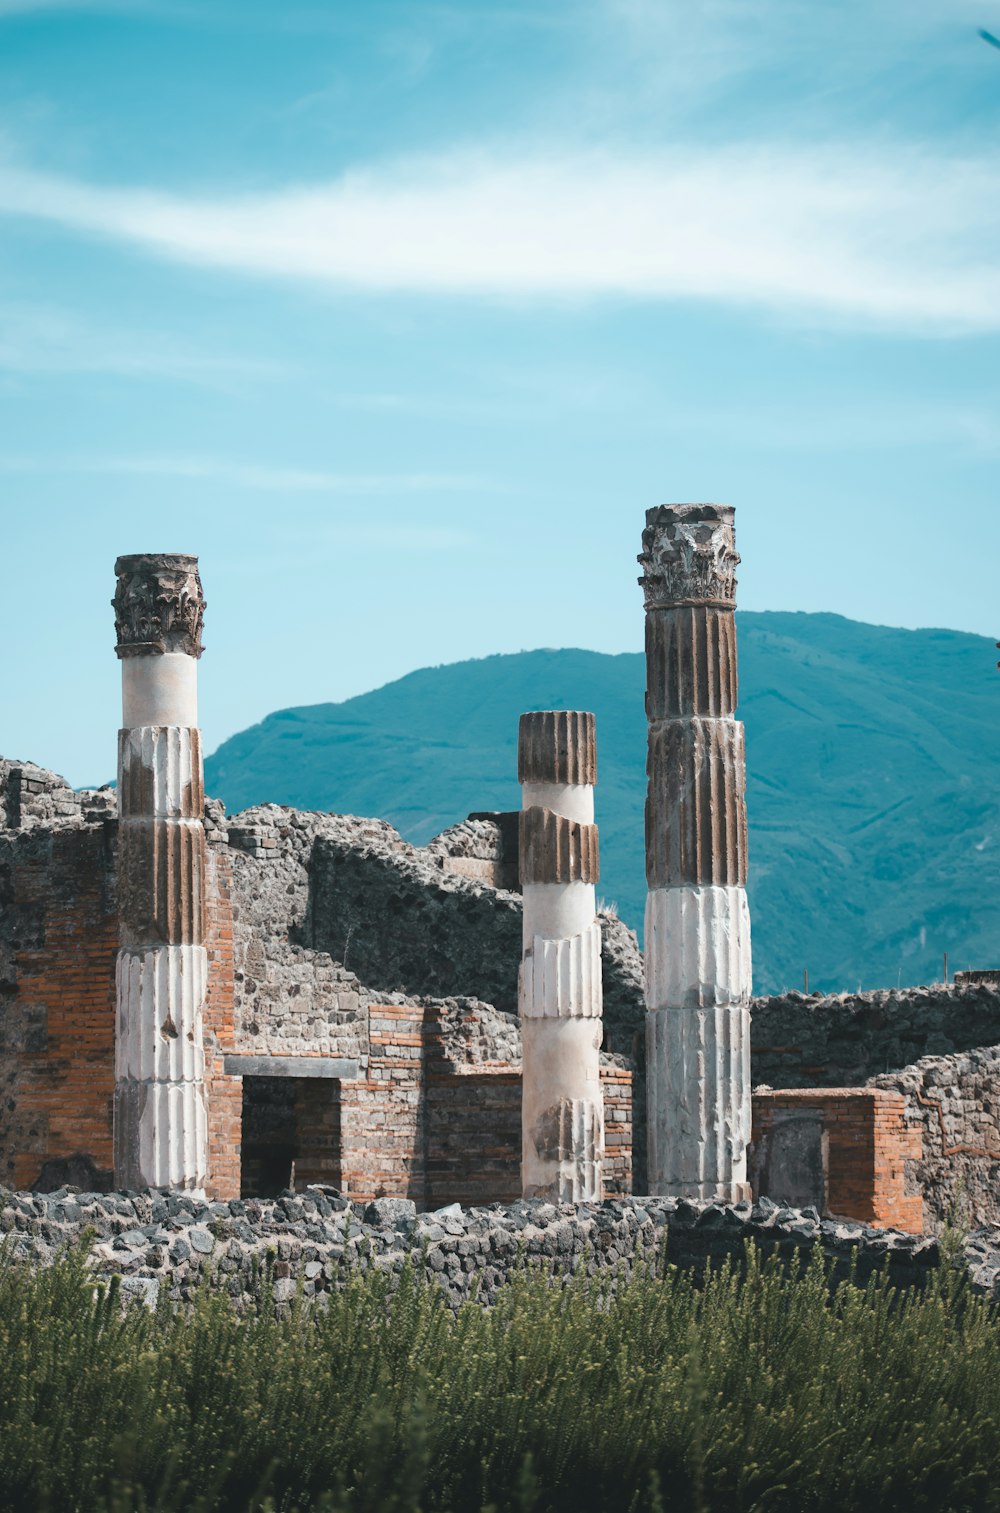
(224, 1094)
(617, 1085)
(420, 1127)
(854, 1143)
(58, 1004)
(58, 944)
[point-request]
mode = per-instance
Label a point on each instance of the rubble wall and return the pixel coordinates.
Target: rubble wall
(166, 1244)
(954, 1103)
(843, 1040)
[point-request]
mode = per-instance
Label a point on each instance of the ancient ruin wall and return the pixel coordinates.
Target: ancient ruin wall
(954, 1102)
(57, 901)
(163, 1244)
(844, 1040)
(58, 941)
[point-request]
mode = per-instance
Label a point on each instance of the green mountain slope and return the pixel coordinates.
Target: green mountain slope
(874, 782)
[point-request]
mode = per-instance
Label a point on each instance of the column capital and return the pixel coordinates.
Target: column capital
(689, 556)
(159, 605)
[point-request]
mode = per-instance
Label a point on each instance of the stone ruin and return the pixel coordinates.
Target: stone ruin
(233, 1006)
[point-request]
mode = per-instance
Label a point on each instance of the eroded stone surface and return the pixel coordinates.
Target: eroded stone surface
(555, 849)
(557, 746)
(689, 556)
(160, 1117)
(697, 948)
(159, 605)
(696, 819)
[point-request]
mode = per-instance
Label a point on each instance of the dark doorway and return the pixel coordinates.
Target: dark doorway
(269, 1136)
(291, 1134)
(793, 1162)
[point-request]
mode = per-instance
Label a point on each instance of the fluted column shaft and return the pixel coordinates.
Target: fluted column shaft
(697, 947)
(162, 971)
(562, 1109)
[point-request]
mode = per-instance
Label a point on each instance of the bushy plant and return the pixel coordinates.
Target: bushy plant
(749, 1390)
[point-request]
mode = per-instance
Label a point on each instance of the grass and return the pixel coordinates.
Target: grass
(752, 1391)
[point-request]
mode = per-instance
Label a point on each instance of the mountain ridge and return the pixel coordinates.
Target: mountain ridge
(873, 781)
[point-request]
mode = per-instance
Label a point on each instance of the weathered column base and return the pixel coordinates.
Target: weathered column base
(160, 1123)
(562, 1137)
(698, 1064)
(161, 1135)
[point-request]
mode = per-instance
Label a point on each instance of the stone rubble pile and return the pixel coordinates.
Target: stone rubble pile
(171, 1244)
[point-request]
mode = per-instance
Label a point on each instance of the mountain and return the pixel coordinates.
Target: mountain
(873, 787)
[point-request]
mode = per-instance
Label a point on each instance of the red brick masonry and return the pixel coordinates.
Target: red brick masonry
(420, 1127)
(867, 1145)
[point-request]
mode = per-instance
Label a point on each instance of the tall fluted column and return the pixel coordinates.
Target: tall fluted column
(698, 972)
(562, 1110)
(162, 974)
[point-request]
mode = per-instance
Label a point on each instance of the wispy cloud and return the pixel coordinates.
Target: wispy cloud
(39, 339)
(249, 475)
(900, 236)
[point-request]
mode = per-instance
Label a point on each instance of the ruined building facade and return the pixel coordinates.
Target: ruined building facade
(334, 1040)
(280, 998)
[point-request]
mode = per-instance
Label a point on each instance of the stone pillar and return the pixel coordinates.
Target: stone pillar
(162, 973)
(697, 921)
(562, 1110)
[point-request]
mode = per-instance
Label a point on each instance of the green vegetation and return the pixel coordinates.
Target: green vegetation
(753, 1392)
(874, 782)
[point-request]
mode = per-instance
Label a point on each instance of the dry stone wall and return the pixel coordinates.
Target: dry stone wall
(168, 1244)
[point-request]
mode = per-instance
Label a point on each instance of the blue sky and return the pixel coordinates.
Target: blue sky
(400, 314)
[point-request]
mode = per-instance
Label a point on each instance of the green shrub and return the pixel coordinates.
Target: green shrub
(751, 1391)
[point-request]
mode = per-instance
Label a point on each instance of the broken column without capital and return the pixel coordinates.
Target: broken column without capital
(562, 1111)
(162, 971)
(697, 946)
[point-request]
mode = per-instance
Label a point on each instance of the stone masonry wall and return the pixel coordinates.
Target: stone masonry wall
(954, 1104)
(483, 847)
(844, 1039)
(290, 999)
(333, 917)
(170, 1245)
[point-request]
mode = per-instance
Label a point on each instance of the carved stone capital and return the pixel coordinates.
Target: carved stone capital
(159, 605)
(689, 556)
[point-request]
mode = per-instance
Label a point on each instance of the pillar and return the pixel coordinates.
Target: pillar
(562, 1110)
(159, 1113)
(697, 945)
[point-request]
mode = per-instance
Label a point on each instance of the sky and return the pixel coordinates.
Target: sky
(400, 314)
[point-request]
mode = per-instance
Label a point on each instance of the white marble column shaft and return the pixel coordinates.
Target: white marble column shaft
(562, 1119)
(697, 935)
(161, 1133)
